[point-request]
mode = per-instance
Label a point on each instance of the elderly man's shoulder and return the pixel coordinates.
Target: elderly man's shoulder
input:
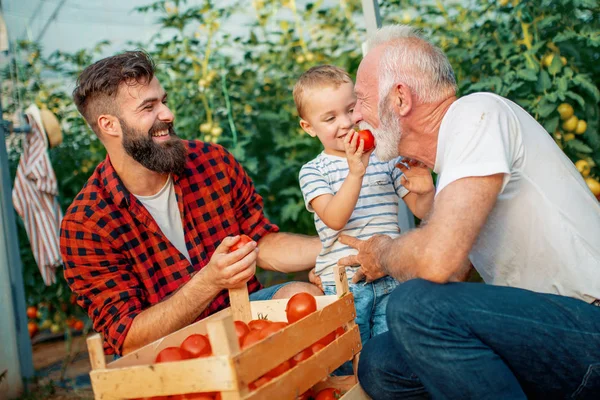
(481, 100)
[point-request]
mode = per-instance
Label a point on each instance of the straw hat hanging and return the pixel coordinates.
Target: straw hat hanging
(49, 124)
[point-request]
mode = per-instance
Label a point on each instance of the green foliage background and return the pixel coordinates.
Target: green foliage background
(235, 89)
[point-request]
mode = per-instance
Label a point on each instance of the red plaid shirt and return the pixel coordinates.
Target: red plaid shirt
(116, 258)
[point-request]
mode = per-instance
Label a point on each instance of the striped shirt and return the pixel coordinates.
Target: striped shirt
(376, 210)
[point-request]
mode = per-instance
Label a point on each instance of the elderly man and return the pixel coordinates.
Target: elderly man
(147, 242)
(509, 201)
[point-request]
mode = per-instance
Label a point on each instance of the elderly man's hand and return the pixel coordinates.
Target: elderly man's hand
(367, 257)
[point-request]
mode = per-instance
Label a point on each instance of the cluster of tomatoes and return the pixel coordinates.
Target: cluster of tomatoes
(198, 346)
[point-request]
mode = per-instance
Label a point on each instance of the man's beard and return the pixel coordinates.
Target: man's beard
(387, 136)
(166, 157)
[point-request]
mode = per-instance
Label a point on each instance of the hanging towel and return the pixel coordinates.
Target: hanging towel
(35, 198)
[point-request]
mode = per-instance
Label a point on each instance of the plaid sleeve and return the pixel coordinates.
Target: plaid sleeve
(248, 203)
(103, 281)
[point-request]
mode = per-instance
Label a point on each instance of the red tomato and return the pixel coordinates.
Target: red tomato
(250, 339)
(258, 324)
(280, 369)
(194, 396)
(259, 382)
(241, 330)
(172, 354)
(32, 312)
(32, 327)
(299, 306)
(368, 138)
(240, 243)
(328, 394)
(303, 355)
(330, 337)
(317, 347)
(78, 325)
(339, 332)
(272, 328)
(197, 345)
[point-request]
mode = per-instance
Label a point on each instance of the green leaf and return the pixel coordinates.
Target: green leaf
(544, 83)
(527, 74)
(551, 124)
(545, 108)
(556, 65)
(576, 97)
(585, 83)
(579, 146)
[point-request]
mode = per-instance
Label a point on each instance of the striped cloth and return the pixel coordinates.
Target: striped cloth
(34, 198)
(376, 210)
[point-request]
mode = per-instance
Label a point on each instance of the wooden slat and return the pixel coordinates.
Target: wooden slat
(306, 374)
(224, 341)
(240, 304)
(190, 376)
(355, 393)
(341, 280)
(270, 352)
(146, 355)
(96, 351)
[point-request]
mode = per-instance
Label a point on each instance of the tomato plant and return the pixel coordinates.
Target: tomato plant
(299, 306)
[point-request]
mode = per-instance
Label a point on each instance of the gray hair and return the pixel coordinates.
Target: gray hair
(412, 59)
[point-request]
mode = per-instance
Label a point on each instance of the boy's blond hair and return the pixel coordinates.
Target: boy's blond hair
(315, 77)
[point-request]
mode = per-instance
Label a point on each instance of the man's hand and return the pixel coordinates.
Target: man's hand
(357, 158)
(368, 257)
(227, 270)
(416, 177)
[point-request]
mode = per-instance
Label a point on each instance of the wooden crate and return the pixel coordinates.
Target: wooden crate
(230, 370)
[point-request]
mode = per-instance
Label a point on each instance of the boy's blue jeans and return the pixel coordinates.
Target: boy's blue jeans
(370, 301)
(477, 341)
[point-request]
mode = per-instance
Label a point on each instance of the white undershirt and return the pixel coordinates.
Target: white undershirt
(163, 208)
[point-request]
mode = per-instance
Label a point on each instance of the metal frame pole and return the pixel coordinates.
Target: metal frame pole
(16, 360)
(406, 219)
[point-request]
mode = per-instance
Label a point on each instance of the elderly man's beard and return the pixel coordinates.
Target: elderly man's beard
(387, 136)
(166, 157)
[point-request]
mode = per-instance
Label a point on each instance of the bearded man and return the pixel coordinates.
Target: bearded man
(146, 243)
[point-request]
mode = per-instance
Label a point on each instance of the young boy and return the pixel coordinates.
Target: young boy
(349, 190)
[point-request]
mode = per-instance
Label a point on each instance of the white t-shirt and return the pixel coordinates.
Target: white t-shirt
(163, 208)
(544, 231)
(376, 211)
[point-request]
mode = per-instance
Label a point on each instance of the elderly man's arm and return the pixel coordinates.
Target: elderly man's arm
(288, 252)
(437, 251)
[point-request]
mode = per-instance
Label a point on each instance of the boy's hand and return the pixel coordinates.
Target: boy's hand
(416, 177)
(358, 159)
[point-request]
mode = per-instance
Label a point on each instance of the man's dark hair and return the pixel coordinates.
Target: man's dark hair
(98, 84)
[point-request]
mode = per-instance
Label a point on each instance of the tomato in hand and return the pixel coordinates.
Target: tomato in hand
(299, 306)
(172, 354)
(241, 330)
(197, 345)
(368, 138)
(240, 243)
(328, 394)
